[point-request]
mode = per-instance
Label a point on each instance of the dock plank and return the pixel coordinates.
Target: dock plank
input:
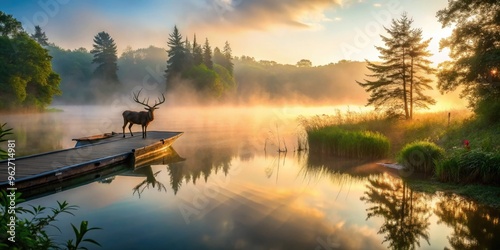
(116, 146)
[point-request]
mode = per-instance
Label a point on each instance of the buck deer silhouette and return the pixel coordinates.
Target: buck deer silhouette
(142, 117)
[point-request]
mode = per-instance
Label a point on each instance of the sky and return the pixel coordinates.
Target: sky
(285, 31)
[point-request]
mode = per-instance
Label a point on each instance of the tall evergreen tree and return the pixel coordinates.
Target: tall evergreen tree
(189, 53)
(401, 77)
(197, 52)
(176, 55)
(229, 58)
(40, 36)
(207, 55)
(104, 51)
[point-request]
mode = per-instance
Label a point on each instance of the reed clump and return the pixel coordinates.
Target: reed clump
(355, 144)
(468, 166)
(421, 156)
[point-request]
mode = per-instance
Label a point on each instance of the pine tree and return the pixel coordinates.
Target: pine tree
(105, 56)
(40, 36)
(197, 52)
(229, 58)
(401, 77)
(176, 55)
(207, 55)
(189, 54)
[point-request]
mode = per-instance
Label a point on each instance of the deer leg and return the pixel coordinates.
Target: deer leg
(124, 125)
(130, 129)
(144, 131)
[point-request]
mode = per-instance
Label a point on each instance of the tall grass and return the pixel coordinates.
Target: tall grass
(470, 166)
(421, 156)
(432, 127)
(344, 143)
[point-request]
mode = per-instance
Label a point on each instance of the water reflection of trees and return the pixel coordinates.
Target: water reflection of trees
(405, 212)
(353, 166)
(474, 226)
(201, 162)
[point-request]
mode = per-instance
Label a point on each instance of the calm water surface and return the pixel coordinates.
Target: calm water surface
(229, 188)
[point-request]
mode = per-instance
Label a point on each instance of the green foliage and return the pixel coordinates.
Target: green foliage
(488, 109)
(9, 26)
(3, 133)
(228, 64)
(79, 234)
(401, 77)
(207, 55)
(421, 156)
(197, 53)
(480, 134)
(40, 36)
(196, 64)
(474, 52)
(228, 82)
(218, 57)
(340, 142)
(142, 66)
(176, 62)
(468, 166)
(26, 77)
(104, 51)
(30, 231)
(204, 79)
(75, 69)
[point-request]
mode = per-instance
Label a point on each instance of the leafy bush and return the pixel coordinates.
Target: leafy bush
(4, 132)
(204, 79)
(470, 166)
(31, 233)
(357, 144)
(421, 156)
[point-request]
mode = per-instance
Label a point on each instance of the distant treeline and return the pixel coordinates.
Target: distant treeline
(272, 82)
(257, 81)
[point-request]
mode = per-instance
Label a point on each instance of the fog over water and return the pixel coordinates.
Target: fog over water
(230, 188)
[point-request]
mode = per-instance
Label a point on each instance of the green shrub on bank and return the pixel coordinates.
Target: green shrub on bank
(23, 228)
(421, 156)
(356, 144)
(470, 166)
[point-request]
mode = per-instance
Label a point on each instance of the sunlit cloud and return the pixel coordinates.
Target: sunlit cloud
(263, 14)
(377, 5)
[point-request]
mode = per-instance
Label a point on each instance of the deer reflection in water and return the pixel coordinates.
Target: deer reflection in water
(149, 181)
(142, 118)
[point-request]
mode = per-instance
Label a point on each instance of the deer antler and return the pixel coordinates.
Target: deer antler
(144, 102)
(160, 101)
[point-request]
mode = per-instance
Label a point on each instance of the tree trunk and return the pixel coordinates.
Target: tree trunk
(405, 99)
(411, 89)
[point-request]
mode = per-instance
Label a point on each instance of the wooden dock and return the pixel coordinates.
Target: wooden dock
(58, 166)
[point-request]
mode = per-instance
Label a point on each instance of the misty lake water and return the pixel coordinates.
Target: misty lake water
(227, 192)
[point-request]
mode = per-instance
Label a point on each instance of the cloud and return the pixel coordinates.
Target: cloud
(262, 14)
